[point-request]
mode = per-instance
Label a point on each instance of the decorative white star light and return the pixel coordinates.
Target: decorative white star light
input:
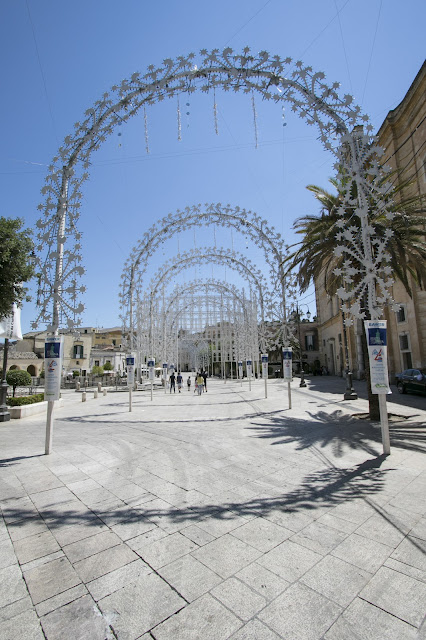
(343, 130)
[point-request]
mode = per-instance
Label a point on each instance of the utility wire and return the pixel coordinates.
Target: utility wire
(42, 74)
(324, 29)
(343, 44)
(371, 52)
(246, 23)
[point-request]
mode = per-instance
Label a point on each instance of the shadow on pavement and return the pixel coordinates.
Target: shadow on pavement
(338, 431)
(5, 462)
(323, 488)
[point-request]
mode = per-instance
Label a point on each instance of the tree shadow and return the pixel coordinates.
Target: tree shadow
(338, 431)
(98, 418)
(323, 488)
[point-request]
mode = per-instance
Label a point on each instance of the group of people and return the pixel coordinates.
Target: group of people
(200, 382)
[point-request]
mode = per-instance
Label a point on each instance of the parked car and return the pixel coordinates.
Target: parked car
(411, 380)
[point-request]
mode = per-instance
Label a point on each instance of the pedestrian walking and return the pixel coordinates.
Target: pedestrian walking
(179, 381)
(173, 382)
(200, 383)
(204, 374)
(188, 383)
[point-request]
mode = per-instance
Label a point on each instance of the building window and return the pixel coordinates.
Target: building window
(78, 352)
(114, 342)
(404, 347)
(401, 315)
(309, 343)
(96, 363)
(403, 342)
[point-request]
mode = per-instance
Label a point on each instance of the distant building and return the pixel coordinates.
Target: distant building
(83, 348)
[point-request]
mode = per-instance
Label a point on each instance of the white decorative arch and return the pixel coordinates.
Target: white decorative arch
(342, 128)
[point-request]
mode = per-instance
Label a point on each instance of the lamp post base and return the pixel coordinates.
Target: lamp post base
(4, 415)
(350, 393)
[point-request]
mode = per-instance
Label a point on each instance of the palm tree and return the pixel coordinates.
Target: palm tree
(406, 246)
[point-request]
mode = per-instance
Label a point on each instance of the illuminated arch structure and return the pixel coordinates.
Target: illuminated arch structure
(343, 130)
(208, 312)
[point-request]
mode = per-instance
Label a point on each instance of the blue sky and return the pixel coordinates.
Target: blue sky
(59, 57)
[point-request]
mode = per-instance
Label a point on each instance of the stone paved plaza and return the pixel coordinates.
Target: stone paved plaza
(213, 517)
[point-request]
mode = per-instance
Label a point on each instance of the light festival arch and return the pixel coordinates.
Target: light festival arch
(211, 312)
(242, 220)
(343, 130)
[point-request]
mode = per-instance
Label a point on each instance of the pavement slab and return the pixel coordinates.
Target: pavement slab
(225, 516)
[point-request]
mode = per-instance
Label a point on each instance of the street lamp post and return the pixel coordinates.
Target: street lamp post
(350, 393)
(4, 411)
(302, 373)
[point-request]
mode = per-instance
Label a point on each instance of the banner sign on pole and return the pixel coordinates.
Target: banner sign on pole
(151, 369)
(249, 365)
(10, 327)
(377, 355)
(164, 370)
(130, 363)
(264, 358)
(288, 363)
(53, 351)
(240, 369)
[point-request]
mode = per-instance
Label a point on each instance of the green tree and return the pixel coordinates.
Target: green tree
(18, 378)
(108, 366)
(406, 246)
(97, 371)
(15, 267)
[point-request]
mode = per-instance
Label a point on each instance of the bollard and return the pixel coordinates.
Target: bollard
(104, 392)
(95, 394)
(99, 386)
(83, 396)
(77, 386)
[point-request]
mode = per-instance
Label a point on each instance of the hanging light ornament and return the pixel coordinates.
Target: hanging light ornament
(188, 113)
(216, 129)
(253, 106)
(145, 120)
(179, 121)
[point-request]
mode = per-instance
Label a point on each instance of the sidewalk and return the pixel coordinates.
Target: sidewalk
(210, 517)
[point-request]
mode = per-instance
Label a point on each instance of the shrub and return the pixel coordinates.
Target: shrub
(18, 378)
(97, 371)
(108, 366)
(75, 374)
(17, 402)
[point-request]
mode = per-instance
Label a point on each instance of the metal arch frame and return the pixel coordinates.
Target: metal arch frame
(343, 130)
(207, 284)
(174, 309)
(234, 259)
(242, 220)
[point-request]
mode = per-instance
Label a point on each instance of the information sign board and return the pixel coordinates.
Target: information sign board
(53, 352)
(377, 355)
(264, 358)
(130, 363)
(151, 369)
(249, 365)
(288, 363)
